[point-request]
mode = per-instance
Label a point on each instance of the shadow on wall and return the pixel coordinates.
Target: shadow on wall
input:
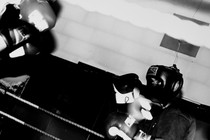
(191, 4)
(56, 6)
(47, 42)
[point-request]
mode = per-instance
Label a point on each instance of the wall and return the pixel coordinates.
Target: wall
(120, 47)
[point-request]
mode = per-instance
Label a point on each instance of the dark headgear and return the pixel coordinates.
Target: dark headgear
(164, 82)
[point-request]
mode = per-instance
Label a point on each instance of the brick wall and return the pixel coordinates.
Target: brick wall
(120, 47)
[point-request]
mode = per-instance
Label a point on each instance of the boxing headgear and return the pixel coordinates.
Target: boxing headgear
(165, 82)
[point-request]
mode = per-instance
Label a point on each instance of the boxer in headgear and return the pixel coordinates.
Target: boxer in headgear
(164, 83)
(127, 89)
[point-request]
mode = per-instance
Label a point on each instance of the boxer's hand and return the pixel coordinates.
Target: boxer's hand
(140, 109)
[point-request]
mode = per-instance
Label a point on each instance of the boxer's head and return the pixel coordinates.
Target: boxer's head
(164, 82)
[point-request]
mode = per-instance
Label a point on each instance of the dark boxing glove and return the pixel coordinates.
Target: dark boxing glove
(124, 126)
(13, 38)
(120, 125)
(124, 87)
(38, 13)
(15, 33)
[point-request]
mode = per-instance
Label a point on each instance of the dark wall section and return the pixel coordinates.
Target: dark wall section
(77, 92)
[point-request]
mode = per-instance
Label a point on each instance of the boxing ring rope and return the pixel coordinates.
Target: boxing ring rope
(28, 125)
(47, 112)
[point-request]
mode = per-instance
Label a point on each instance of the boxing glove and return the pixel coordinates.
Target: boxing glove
(39, 13)
(15, 33)
(14, 37)
(27, 49)
(126, 89)
(124, 126)
(121, 125)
